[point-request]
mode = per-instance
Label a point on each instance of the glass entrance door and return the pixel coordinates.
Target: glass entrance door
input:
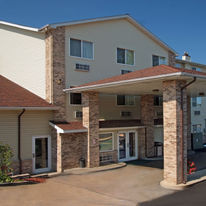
(127, 145)
(41, 154)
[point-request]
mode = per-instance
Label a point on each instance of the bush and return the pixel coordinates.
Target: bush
(5, 163)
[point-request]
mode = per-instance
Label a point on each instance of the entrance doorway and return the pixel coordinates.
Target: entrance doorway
(127, 145)
(41, 154)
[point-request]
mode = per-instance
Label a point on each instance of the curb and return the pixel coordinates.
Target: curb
(83, 171)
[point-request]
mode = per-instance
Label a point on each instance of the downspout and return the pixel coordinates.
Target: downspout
(19, 141)
(182, 128)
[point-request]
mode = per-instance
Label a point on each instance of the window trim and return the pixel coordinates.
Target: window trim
(70, 99)
(125, 105)
(125, 57)
(112, 141)
(81, 49)
(166, 60)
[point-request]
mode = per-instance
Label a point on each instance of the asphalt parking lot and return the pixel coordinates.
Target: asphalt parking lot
(128, 186)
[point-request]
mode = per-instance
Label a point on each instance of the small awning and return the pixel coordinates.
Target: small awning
(76, 127)
(145, 81)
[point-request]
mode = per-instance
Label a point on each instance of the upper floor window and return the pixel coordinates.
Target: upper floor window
(75, 98)
(157, 60)
(196, 101)
(83, 49)
(196, 69)
(125, 100)
(125, 56)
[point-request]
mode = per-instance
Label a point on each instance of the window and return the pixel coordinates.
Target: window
(196, 112)
(196, 69)
(125, 56)
(106, 142)
(125, 100)
(79, 48)
(78, 114)
(158, 100)
(157, 60)
(197, 128)
(124, 71)
(75, 98)
(196, 101)
(178, 65)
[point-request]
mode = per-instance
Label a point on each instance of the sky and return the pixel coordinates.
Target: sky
(179, 23)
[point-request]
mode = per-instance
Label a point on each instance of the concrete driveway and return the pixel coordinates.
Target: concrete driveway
(128, 186)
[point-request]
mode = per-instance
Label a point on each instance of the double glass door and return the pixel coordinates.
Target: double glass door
(127, 145)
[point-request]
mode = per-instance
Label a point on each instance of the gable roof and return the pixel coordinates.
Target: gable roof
(157, 72)
(117, 17)
(19, 26)
(93, 20)
(14, 96)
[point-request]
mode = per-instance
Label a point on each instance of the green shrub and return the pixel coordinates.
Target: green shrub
(5, 163)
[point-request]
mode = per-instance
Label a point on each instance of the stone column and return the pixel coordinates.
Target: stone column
(59, 153)
(55, 71)
(90, 101)
(141, 143)
(175, 159)
(171, 59)
(147, 117)
(189, 146)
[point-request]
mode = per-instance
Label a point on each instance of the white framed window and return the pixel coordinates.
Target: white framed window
(196, 69)
(75, 98)
(106, 141)
(82, 49)
(196, 101)
(158, 60)
(128, 100)
(125, 56)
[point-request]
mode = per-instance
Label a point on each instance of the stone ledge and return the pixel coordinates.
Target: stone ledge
(83, 171)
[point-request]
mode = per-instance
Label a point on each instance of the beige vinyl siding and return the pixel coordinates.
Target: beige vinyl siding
(107, 37)
(34, 123)
(22, 58)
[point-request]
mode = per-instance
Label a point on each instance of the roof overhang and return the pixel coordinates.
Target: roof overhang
(145, 85)
(29, 108)
(109, 18)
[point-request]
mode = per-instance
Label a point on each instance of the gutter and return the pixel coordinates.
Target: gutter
(182, 128)
(19, 140)
(110, 84)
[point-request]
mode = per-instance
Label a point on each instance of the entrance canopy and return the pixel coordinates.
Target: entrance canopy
(146, 81)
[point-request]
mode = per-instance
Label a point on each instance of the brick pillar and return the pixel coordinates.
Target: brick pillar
(141, 143)
(55, 71)
(171, 59)
(147, 117)
(173, 132)
(90, 101)
(59, 153)
(189, 146)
